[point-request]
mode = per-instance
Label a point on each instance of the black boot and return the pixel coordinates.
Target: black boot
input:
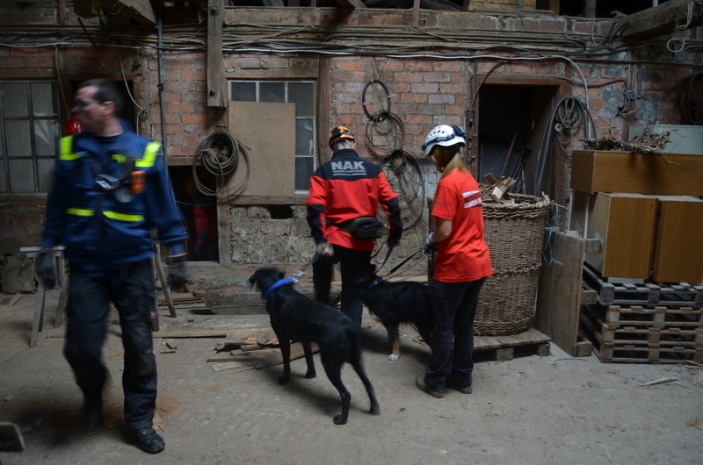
(146, 439)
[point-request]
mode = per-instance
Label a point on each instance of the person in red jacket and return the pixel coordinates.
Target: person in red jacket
(344, 189)
(462, 264)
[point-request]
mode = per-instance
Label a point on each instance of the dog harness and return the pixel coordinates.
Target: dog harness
(277, 284)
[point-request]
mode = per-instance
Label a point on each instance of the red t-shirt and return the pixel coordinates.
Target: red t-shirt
(464, 255)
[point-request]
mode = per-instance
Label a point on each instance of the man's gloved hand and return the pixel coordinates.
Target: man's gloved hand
(46, 269)
(394, 239)
(177, 274)
(324, 248)
(429, 244)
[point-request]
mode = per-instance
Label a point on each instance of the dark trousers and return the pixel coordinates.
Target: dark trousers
(452, 337)
(355, 269)
(132, 291)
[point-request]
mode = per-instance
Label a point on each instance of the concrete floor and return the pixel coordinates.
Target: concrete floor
(552, 409)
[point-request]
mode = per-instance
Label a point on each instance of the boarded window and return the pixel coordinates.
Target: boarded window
(301, 95)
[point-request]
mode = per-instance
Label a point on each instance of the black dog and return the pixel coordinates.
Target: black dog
(394, 303)
(297, 317)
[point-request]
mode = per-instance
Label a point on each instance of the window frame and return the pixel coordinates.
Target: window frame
(41, 164)
(287, 99)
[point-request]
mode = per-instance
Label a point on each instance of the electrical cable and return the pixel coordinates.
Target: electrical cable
(689, 104)
(562, 118)
(219, 154)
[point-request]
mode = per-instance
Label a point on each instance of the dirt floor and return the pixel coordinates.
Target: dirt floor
(532, 409)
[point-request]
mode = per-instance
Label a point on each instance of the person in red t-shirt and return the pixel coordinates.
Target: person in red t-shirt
(462, 264)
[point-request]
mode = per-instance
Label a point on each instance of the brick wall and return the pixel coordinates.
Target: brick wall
(424, 92)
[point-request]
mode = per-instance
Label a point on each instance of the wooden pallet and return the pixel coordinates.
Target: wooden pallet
(506, 347)
(645, 293)
(643, 335)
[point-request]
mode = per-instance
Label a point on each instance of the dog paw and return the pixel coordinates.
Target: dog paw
(393, 357)
(283, 380)
(339, 420)
(310, 374)
(375, 409)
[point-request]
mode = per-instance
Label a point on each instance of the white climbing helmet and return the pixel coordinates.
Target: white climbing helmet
(445, 136)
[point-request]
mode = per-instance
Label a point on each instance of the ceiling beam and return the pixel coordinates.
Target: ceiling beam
(138, 10)
(660, 20)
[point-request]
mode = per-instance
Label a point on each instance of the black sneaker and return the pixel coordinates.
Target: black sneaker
(146, 439)
(466, 389)
(437, 392)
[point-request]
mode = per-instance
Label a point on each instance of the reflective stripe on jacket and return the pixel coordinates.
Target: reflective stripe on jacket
(92, 210)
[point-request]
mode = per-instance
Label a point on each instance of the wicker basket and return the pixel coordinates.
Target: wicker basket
(515, 236)
(514, 233)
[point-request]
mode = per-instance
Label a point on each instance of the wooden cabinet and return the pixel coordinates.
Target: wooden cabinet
(678, 249)
(654, 173)
(625, 225)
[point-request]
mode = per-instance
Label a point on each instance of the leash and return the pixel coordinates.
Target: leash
(395, 268)
(388, 254)
(301, 271)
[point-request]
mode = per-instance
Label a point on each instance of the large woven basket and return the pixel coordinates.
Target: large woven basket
(515, 236)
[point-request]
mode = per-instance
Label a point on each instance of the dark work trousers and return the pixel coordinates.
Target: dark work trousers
(132, 290)
(355, 268)
(454, 310)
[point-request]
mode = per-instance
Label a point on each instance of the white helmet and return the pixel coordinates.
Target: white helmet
(445, 136)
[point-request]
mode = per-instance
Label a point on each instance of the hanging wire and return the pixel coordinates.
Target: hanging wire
(390, 128)
(219, 154)
(562, 119)
(689, 104)
(411, 183)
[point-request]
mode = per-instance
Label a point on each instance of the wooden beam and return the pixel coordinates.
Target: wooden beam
(660, 20)
(138, 10)
(351, 3)
(216, 82)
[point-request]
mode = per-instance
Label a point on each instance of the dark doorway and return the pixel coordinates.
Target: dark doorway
(199, 210)
(511, 124)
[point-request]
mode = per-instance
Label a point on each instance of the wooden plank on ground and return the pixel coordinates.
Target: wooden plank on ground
(275, 358)
(192, 333)
(243, 336)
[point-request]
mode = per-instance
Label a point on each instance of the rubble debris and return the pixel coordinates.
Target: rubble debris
(647, 142)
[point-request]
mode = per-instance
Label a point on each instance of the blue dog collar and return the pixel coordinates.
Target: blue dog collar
(277, 284)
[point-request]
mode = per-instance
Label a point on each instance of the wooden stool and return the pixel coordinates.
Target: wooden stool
(40, 298)
(63, 277)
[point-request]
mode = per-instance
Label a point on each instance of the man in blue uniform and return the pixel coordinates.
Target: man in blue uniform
(110, 191)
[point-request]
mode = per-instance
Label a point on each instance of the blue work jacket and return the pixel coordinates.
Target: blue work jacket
(97, 212)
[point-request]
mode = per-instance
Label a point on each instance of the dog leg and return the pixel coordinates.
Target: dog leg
(307, 349)
(285, 354)
(334, 373)
(394, 341)
(359, 369)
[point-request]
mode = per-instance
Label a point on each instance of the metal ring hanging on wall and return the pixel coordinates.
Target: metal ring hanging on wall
(379, 115)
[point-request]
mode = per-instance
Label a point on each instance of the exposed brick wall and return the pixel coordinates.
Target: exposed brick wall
(424, 92)
(20, 223)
